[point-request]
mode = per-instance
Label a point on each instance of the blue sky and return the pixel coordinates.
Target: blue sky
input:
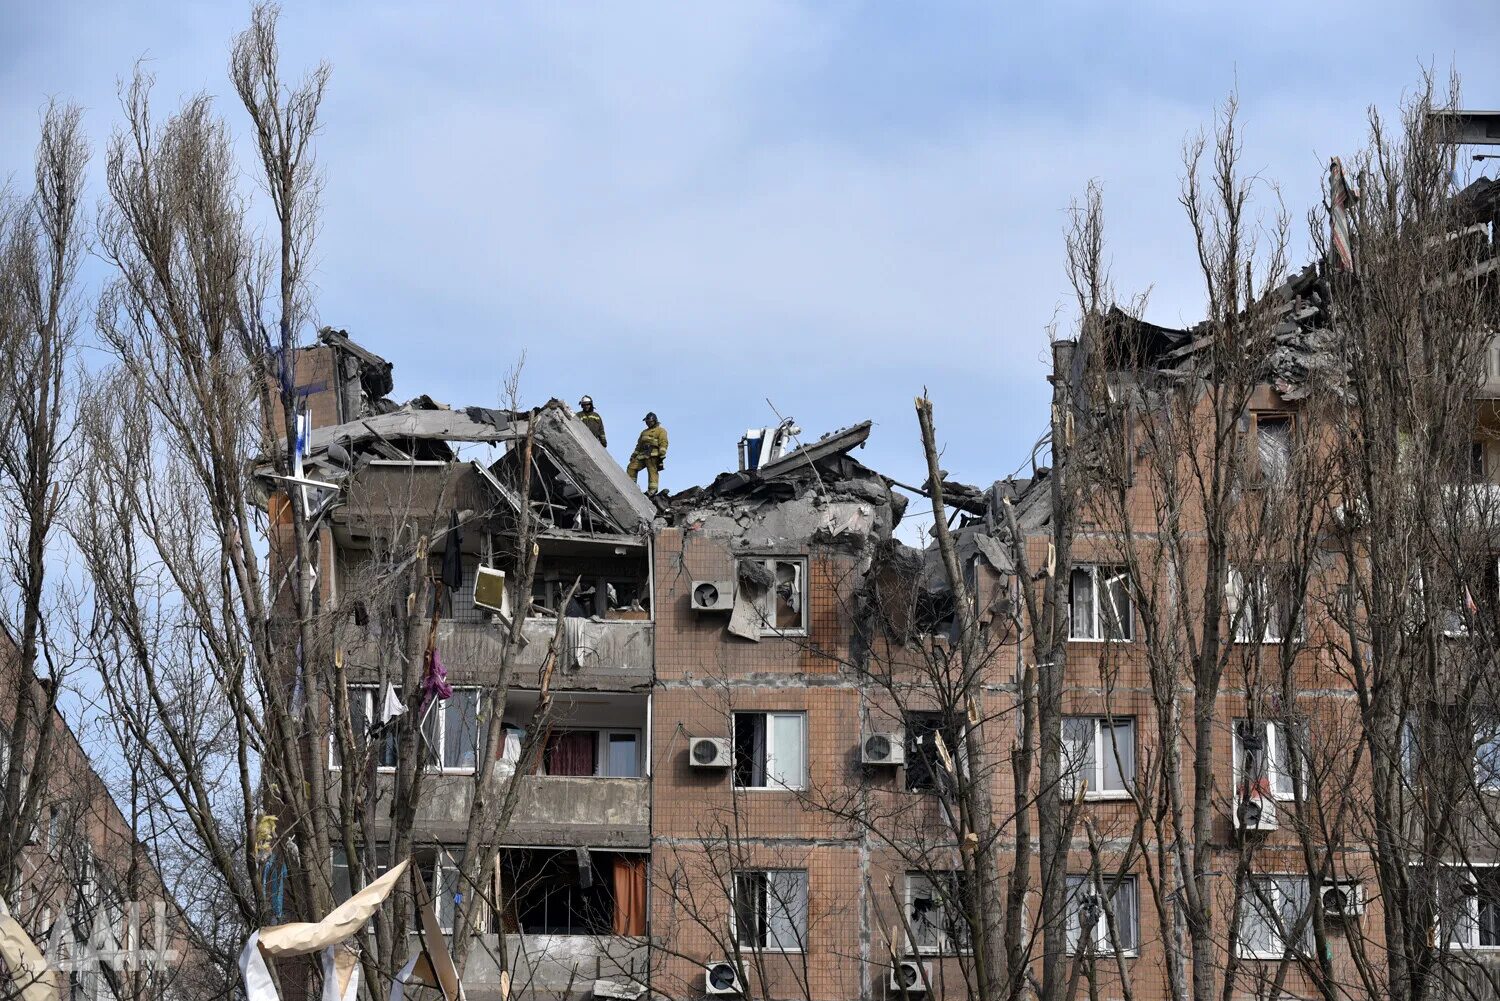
(692, 208)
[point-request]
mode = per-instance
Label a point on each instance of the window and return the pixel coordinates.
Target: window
(1092, 906)
(364, 722)
(924, 765)
(935, 912)
(1260, 608)
(1265, 755)
(1487, 754)
(1099, 751)
(1469, 907)
(1100, 601)
(770, 909)
(778, 587)
(1477, 460)
(451, 731)
(1273, 443)
(54, 826)
(770, 750)
(607, 753)
(1273, 909)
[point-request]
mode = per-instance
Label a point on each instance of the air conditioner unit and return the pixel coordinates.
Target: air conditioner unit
(1343, 899)
(1255, 813)
(713, 595)
(884, 749)
(910, 977)
(710, 752)
(489, 590)
(722, 978)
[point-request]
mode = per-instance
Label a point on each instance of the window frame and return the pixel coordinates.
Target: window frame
(933, 723)
(1255, 585)
(1287, 418)
(947, 946)
(766, 606)
(601, 750)
(1468, 885)
(1096, 790)
(1275, 730)
(1249, 908)
(734, 910)
(1072, 919)
(1100, 575)
(769, 785)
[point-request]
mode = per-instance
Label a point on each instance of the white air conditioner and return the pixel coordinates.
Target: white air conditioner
(1255, 813)
(713, 595)
(722, 978)
(884, 749)
(710, 752)
(1343, 899)
(910, 977)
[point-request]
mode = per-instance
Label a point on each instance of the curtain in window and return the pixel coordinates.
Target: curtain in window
(749, 749)
(1119, 754)
(786, 909)
(1081, 597)
(1114, 611)
(571, 752)
(1078, 749)
(630, 896)
(786, 766)
(1124, 914)
(461, 730)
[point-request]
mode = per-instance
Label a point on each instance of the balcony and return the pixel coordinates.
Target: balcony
(552, 810)
(554, 966)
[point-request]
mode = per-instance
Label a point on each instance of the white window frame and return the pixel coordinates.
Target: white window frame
(1276, 731)
(1243, 617)
(1471, 908)
(1100, 932)
(1108, 573)
(601, 750)
(734, 910)
(1249, 909)
(440, 706)
(766, 608)
(1096, 790)
(774, 785)
(371, 695)
(932, 877)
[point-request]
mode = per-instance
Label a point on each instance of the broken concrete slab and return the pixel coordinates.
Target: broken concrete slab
(574, 446)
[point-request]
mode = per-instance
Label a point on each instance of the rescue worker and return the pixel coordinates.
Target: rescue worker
(591, 418)
(650, 454)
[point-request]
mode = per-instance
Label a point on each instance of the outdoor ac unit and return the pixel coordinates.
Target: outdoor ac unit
(1343, 899)
(489, 590)
(722, 978)
(1257, 813)
(910, 977)
(713, 595)
(884, 749)
(710, 752)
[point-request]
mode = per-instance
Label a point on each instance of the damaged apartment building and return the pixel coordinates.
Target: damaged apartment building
(677, 830)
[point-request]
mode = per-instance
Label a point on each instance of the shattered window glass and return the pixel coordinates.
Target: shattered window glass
(778, 589)
(1273, 437)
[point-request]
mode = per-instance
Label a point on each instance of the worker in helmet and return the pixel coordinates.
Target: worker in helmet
(650, 454)
(591, 418)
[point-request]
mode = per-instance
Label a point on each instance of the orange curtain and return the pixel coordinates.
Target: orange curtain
(630, 896)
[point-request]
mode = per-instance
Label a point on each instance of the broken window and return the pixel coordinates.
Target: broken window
(1265, 756)
(365, 708)
(770, 909)
(1100, 752)
(452, 732)
(573, 892)
(1092, 906)
(778, 588)
(607, 753)
(1273, 441)
(935, 911)
(925, 770)
(770, 750)
(1100, 601)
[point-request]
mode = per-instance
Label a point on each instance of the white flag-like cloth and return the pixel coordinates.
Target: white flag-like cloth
(393, 706)
(340, 967)
(24, 960)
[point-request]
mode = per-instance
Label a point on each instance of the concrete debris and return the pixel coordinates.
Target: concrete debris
(573, 446)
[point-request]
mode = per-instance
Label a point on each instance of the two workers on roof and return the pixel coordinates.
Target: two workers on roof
(650, 448)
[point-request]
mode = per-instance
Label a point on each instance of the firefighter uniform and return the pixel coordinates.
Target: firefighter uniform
(650, 454)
